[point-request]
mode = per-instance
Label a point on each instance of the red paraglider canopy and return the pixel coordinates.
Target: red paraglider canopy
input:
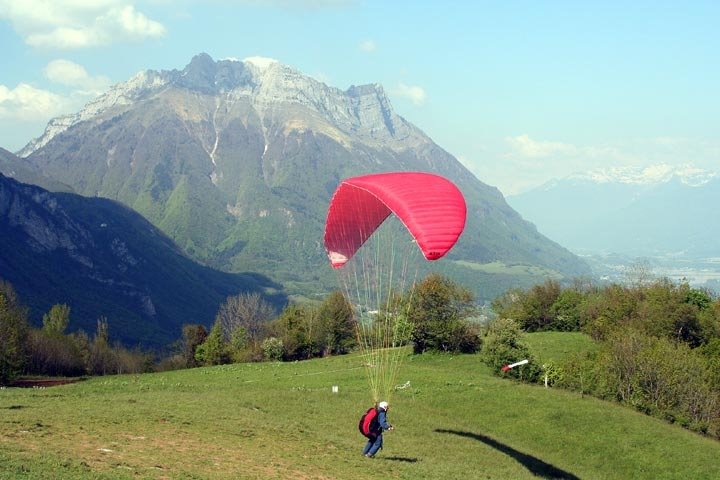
(430, 206)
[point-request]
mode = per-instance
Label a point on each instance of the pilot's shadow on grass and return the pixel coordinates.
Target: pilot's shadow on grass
(401, 459)
(534, 465)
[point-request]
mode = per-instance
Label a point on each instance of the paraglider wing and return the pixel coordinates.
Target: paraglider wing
(430, 206)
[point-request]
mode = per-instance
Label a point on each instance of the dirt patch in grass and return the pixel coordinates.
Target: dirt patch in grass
(43, 382)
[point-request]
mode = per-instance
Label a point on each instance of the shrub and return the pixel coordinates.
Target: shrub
(173, 362)
(438, 309)
(272, 348)
(554, 374)
(53, 354)
(502, 345)
(297, 327)
(583, 372)
(654, 375)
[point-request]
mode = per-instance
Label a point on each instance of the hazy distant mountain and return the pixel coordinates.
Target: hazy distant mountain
(236, 161)
(651, 211)
(103, 259)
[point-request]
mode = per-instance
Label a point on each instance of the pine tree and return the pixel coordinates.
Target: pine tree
(213, 351)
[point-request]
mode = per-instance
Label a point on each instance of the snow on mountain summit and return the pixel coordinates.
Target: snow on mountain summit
(648, 175)
(260, 62)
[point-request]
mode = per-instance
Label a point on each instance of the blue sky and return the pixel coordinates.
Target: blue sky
(519, 91)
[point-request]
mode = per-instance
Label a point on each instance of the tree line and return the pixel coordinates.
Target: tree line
(246, 329)
(659, 344)
(50, 351)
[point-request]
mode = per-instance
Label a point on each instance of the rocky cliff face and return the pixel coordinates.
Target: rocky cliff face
(48, 228)
(237, 161)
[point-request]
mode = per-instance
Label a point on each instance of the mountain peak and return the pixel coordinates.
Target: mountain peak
(201, 61)
(364, 110)
(200, 73)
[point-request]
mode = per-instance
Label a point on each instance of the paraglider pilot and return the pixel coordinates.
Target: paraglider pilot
(375, 430)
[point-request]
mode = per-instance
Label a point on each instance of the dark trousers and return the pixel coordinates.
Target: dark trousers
(373, 444)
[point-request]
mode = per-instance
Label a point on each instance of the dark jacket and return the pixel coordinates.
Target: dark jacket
(382, 423)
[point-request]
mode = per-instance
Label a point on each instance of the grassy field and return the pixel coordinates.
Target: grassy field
(454, 421)
(558, 346)
(499, 267)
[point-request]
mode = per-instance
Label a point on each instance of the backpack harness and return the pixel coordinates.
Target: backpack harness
(369, 425)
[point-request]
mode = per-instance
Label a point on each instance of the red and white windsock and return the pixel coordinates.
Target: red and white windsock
(505, 368)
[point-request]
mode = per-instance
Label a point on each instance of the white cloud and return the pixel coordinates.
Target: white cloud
(65, 38)
(297, 4)
(525, 146)
(66, 72)
(73, 75)
(69, 24)
(27, 103)
(260, 62)
(414, 93)
(368, 46)
(135, 24)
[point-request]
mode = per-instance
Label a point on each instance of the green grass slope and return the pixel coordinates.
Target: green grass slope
(559, 346)
(454, 420)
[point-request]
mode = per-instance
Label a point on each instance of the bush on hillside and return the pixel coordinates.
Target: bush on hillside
(656, 376)
(502, 345)
(55, 355)
(438, 310)
(273, 349)
(659, 308)
(543, 307)
(298, 328)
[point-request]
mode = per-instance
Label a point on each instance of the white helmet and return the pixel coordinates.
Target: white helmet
(383, 405)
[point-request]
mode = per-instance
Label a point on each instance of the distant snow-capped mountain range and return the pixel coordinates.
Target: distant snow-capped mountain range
(654, 174)
(654, 210)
